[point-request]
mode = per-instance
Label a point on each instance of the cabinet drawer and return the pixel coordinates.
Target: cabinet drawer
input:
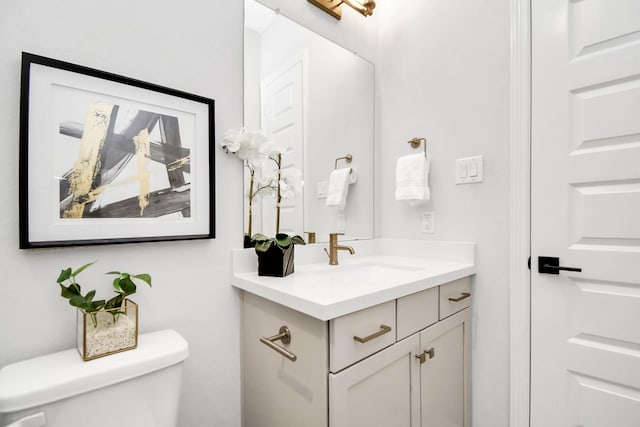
(454, 296)
(357, 335)
(416, 311)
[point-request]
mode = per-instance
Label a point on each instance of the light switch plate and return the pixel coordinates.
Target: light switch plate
(461, 169)
(469, 170)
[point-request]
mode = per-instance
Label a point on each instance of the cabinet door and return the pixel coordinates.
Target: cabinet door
(381, 390)
(444, 374)
(278, 392)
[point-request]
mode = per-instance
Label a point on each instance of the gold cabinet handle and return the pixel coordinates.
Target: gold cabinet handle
(383, 330)
(423, 356)
(284, 335)
(464, 295)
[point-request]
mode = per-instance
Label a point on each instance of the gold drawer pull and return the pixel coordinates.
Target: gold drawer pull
(464, 295)
(284, 335)
(383, 330)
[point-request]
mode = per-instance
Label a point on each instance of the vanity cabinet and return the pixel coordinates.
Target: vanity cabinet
(421, 380)
(404, 362)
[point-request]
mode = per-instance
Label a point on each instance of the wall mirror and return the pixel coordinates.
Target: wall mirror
(316, 100)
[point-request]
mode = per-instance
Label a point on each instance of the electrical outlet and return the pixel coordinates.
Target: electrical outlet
(428, 222)
(322, 189)
(341, 223)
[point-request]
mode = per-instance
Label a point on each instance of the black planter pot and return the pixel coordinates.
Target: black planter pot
(248, 243)
(275, 261)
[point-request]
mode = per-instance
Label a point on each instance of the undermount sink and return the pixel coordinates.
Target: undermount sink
(369, 272)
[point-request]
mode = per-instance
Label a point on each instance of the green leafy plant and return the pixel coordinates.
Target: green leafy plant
(282, 241)
(123, 286)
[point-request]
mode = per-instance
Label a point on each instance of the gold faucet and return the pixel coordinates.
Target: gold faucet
(334, 248)
(311, 236)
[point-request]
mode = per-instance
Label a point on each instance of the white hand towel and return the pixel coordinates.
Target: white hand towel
(339, 182)
(412, 178)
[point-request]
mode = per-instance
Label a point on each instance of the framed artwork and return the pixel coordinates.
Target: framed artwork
(109, 159)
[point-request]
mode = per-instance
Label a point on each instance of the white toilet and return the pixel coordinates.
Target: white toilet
(136, 388)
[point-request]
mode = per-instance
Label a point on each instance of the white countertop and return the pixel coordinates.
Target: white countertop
(380, 271)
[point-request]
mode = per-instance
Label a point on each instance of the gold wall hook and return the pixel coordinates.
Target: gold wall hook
(415, 143)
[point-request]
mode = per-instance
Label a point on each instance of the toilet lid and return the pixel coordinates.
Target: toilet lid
(57, 376)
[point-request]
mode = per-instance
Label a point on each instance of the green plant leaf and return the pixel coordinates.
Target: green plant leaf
(144, 277)
(64, 275)
(114, 302)
(297, 240)
(263, 246)
(113, 272)
(259, 238)
(127, 286)
(283, 240)
(79, 301)
(116, 285)
(86, 302)
(81, 269)
(95, 306)
(69, 291)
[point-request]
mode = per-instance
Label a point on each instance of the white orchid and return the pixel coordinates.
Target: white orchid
(290, 182)
(250, 146)
(265, 186)
(253, 148)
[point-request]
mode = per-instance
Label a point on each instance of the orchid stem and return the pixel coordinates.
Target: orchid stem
(278, 196)
(252, 172)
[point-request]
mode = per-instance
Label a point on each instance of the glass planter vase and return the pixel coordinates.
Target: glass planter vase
(107, 332)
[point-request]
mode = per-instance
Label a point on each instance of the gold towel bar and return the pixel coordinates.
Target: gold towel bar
(284, 335)
(348, 159)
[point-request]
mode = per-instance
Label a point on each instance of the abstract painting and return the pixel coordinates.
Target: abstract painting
(109, 159)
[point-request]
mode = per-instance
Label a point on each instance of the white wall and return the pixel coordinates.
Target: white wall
(194, 46)
(443, 74)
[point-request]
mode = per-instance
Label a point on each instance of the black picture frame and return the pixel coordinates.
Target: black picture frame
(109, 159)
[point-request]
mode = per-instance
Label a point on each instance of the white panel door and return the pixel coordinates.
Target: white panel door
(283, 122)
(585, 337)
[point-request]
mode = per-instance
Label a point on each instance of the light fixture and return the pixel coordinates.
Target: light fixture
(333, 7)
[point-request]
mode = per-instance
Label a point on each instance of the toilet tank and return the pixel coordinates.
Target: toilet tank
(136, 388)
